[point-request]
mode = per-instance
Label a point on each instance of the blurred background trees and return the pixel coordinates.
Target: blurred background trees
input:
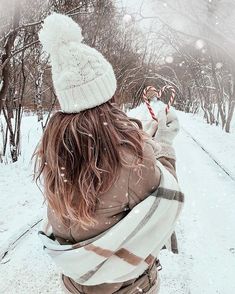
(199, 62)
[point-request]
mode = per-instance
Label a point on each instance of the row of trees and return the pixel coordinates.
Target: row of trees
(200, 70)
(25, 78)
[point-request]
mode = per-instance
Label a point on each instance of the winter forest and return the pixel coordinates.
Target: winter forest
(187, 45)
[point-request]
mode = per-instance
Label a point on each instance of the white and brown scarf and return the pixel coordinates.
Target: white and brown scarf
(127, 249)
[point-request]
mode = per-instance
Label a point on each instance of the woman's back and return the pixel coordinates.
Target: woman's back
(132, 186)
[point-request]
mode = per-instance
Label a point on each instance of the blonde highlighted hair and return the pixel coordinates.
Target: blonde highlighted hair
(79, 158)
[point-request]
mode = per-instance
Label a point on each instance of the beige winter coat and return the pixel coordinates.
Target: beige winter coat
(132, 186)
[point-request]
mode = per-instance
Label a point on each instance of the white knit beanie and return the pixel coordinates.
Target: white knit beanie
(82, 77)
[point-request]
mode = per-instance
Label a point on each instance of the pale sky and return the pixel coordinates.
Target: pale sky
(134, 5)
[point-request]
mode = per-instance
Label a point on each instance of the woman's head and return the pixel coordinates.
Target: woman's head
(79, 158)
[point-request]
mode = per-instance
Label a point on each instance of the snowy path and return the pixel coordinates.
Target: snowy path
(206, 235)
(208, 222)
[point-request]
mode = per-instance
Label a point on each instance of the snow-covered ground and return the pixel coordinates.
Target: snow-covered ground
(218, 143)
(206, 263)
(21, 199)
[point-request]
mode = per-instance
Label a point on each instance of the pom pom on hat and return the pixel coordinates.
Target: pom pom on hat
(81, 75)
(58, 30)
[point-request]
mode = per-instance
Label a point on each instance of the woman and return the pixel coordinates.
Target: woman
(111, 191)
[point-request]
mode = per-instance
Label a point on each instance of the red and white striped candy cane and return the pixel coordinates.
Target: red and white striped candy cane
(158, 95)
(146, 90)
(172, 98)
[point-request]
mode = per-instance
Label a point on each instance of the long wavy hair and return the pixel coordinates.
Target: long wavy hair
(79, 158)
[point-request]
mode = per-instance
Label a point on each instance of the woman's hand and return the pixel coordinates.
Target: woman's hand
(151, 127)
(168, 127)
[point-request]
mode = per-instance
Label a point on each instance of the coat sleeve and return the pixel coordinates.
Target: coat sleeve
(145, 178)
(167, 161)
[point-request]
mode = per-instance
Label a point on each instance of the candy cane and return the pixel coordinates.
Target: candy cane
(146, 90)
(172, 98)
(158, 95)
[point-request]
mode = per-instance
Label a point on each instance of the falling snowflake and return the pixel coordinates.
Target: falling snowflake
(200, 44)
(127, 18)
(139, 289)
(136, 211)
(169, 59)
(219, 65)
(105, 123)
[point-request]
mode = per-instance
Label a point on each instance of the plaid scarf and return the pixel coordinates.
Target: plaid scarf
(128, 248)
